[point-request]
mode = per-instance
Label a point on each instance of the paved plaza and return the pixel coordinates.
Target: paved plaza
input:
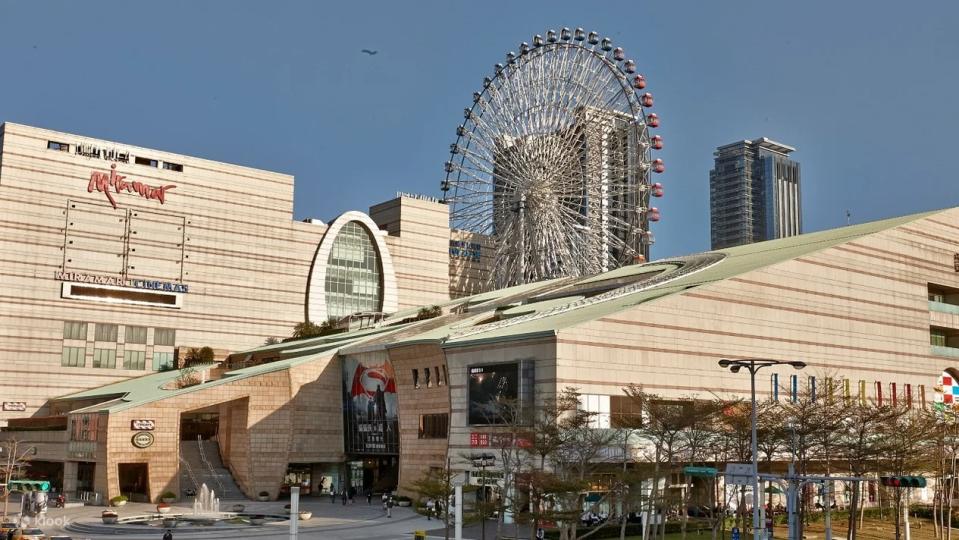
(333, 521)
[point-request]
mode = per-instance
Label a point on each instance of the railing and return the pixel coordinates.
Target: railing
(189, 472)
(209, 466)
(88, 497)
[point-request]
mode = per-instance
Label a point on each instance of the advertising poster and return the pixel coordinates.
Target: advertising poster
(370, 407)
(487, 386)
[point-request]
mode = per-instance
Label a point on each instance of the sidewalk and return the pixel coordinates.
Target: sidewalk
(333, 521)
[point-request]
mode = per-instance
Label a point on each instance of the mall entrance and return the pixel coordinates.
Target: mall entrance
(134, 481)
(378, 474)
(202, 424)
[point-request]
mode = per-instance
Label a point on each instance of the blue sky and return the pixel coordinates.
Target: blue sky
(865, 90)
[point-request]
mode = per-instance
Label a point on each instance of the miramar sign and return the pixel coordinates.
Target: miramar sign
(103, 182)
(120, 281)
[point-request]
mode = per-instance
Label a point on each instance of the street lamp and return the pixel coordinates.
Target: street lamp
(754, 365)
(482, 461)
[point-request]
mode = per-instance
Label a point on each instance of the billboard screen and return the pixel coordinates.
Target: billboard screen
(489, 384)
(369, 407)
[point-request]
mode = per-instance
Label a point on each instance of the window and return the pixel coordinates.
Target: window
(793, 388)
(162, 360)
(624, 412)
(416, 378)
(892, 394)
(878, 393)
(434, 426)
(134, 360)
(446, 379)
(172, 166)
(907, 390)
(145, 161)
(164, 336)
(436, 372)
(599, 407)
(937, 337)
(135, 334)
(74, 357)
(862, 392)
(353, 276)
(922, 395)
(104, 358)
(106, 332)
(59, 146)
(774, 386)
(74, 330)
(429, 381)
(846, 393)
(812, 388)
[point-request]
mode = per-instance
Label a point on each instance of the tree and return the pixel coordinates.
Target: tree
(436, 484)
(309, 329)
(428, 312)
(14, 457)
(272, 340)
(196, 356)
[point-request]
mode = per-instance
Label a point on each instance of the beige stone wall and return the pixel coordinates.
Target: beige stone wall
(419, 244)
(266, 422)
(419, 455)
(225, 231)
(471, 257)
(856, 311)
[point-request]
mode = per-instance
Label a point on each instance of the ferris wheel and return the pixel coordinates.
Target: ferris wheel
(552, 161)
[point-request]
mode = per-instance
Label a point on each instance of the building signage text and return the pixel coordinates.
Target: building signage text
(143, 439)
(465, 250)
(103, 182)
(142, 425)
(120, 281)
(14, 405)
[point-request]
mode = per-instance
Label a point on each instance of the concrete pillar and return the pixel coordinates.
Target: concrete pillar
(70, 477)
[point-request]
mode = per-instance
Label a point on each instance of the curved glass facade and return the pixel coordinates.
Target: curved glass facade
(353, 273)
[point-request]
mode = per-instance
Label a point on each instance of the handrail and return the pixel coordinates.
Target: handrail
(209, 466)
(189, 471)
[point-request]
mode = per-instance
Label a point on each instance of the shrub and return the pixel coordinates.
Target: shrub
(118, 499)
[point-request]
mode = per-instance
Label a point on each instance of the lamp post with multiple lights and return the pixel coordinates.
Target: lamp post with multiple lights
(754, 365)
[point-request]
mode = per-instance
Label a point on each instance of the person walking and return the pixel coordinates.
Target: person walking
(430, 506)
(369, 497)
(343, 496)
(168, 535)
(389, 507)
(332, 494)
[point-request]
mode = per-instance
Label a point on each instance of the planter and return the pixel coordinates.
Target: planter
(163, 508)
(109, 518)
(238, 508)
(263, 498)
(305, 515)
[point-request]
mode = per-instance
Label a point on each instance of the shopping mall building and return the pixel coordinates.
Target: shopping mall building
(873, 309)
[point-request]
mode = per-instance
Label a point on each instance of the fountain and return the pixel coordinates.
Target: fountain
(206, 503)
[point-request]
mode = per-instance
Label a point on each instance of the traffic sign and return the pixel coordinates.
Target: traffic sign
(700, 471)
(740, 474)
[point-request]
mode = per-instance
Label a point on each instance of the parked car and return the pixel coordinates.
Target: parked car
(29, 534)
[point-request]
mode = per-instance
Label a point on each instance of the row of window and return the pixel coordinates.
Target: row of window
(610, 411)
(109, 332)
(107, 358)
(113, 155)
(434, 426)
(430, 377)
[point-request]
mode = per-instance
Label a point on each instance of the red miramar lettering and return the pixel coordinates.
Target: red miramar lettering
(102, 182)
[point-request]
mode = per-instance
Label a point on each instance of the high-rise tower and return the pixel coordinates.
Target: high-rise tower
(753, 193)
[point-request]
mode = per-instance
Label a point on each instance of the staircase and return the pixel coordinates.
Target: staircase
(200, 464)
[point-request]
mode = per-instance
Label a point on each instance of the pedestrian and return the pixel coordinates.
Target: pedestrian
(168, 535)
(343, 496)
(430, 506)
(369, 497)
(352, 493)
(389, 507)
(540, 533)
(332, 494)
